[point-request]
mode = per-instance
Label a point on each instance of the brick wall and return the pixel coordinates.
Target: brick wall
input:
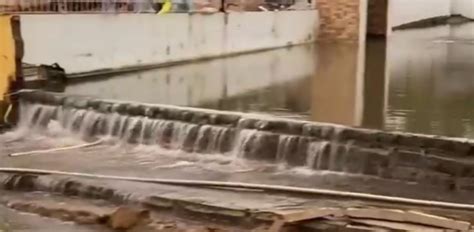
(339, 19)
(377, 17)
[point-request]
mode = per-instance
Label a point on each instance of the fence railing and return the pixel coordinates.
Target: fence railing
(139, 6)
(64, 6)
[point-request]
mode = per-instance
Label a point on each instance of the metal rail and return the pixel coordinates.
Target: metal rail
(239, 185)
(136, 6)
(68, 6)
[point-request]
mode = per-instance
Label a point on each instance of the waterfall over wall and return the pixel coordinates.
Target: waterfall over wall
(291, 143)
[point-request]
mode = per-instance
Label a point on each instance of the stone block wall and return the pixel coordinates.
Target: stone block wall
(429, 161)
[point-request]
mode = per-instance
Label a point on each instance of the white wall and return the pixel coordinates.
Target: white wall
(82, 43)
(407, 11)
(196, 83)
(463, 7)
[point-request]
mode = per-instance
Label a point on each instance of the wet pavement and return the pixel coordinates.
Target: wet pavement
(418, 81)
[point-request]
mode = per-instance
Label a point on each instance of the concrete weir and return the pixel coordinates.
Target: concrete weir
(431, 160)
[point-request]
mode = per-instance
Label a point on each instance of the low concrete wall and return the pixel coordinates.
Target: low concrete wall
(83, 43)
(427, 160)
(198, 83)
(407, 11)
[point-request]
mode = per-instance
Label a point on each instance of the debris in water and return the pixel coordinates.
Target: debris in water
(37, 152)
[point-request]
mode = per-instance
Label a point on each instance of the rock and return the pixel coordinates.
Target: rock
(295, 128)
(226, 119)
(21, 182)
(186, 116)
(327, 132)
(388, 138)
(136, 110)
(411, 141)
(200, 118)
(80, 103)
(273, 126)
(70, 188)
(125, 218)
(104, 107)
(248, 123)
(120, 108)
(68, 101)
(154, 112)
(61, 214)
(172, 114)
(94, 104)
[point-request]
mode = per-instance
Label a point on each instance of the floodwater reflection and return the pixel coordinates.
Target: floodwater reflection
(417, 81)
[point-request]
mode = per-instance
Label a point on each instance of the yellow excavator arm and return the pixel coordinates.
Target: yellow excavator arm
(166, 8)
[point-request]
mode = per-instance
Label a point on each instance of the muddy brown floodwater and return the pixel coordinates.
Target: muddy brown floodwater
(13, 221)
(418, 81)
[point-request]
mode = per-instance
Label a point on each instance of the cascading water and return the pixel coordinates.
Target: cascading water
(285, 143)
(314, 159)
(189, 138)
(159, 136)
(243, 143)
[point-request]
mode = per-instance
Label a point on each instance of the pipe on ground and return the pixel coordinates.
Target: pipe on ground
(276, 188)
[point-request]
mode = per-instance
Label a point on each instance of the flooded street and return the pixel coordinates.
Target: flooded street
(248, 116)
(418, 81)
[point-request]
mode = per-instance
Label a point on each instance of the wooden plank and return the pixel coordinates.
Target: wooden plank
(409, 217)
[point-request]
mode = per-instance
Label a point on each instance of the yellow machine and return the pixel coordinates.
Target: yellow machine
(166, 8)
(10, 65)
